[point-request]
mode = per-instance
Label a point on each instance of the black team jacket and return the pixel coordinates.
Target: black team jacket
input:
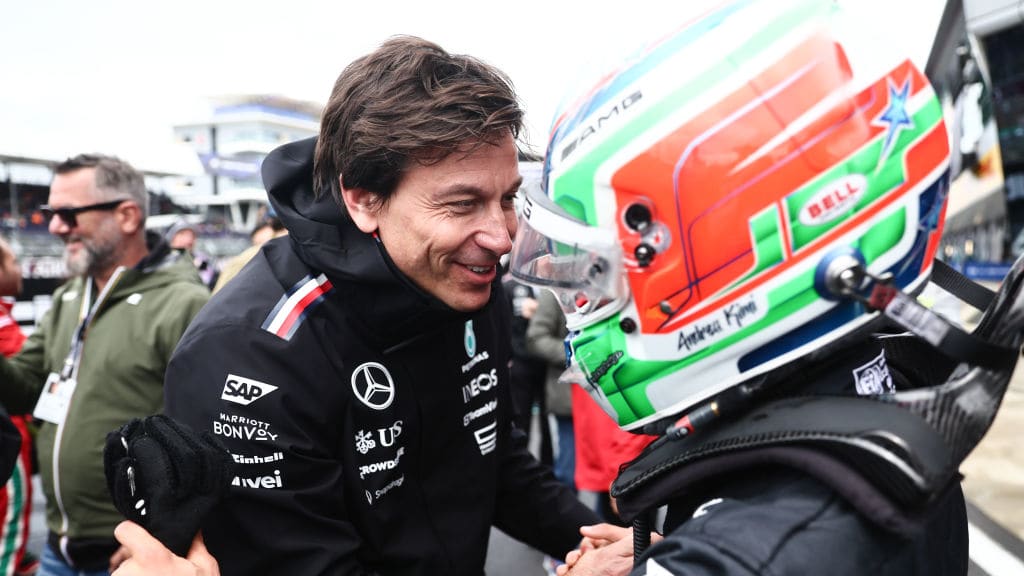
(370, 423)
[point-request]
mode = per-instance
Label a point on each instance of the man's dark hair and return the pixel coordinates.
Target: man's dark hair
(408, 101)
(115, 178)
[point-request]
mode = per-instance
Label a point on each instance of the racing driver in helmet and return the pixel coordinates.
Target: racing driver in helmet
(736, 221)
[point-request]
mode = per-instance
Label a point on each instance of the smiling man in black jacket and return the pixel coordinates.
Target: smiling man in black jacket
(357, 369)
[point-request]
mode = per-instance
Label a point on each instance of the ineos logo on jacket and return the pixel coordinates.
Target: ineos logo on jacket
(245, 391)
(372, 384)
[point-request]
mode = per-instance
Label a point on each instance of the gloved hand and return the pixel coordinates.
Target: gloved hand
(166, 477)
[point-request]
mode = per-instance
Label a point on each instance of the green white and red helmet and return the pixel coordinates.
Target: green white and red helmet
(696, 200)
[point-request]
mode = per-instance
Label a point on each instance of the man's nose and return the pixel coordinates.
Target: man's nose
(497, 231)
(58, 226)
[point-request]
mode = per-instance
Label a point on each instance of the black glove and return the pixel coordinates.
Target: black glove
(165, 477)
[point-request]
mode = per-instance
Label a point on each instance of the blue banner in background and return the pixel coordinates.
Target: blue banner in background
(986, 271)
(232, 167)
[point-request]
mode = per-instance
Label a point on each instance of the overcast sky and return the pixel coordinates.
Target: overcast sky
(114, 76)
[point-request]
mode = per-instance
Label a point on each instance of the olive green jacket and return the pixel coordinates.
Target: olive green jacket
(545, 338)
(120, 376)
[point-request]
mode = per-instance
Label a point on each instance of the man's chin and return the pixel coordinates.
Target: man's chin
(75, 266)
(469, 301)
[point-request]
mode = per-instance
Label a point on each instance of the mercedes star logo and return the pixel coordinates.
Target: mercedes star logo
(372, 384)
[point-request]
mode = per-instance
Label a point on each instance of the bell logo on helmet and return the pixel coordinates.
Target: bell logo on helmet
(833, 200)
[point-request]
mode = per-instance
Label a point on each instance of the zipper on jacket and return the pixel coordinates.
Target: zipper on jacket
(56, 491)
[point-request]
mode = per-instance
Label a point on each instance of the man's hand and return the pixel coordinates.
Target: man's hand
(601, 535)
(118, 558)
(606, 550)
(615, 559)
(148, 556)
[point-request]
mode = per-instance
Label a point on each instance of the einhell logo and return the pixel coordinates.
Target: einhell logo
(833, 201)
(245, 391)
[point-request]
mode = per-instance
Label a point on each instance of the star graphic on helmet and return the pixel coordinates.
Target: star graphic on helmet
(895, 117)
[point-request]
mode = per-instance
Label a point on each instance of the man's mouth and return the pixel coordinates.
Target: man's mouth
(480, 269)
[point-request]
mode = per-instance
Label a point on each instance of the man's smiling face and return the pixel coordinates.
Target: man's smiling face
(447, 224)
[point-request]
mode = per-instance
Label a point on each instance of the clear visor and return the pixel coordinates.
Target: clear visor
(581, 264)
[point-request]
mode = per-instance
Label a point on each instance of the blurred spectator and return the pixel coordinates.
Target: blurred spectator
(545, 338)
(10, 272)
(98, 356)
(598, 458)
(527, 370)
(265, 231)
(16, 494)
(182, 236)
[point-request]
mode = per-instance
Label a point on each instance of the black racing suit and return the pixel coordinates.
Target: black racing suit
(785, 508)
(781, 522)
(370, 423)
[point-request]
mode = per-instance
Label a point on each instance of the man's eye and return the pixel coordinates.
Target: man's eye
(461, 205)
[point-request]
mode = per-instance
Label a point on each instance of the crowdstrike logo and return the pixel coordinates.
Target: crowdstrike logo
(244, 391)
(381, 466)
(373, 386)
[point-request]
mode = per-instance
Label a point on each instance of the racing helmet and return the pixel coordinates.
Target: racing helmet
(704, 204)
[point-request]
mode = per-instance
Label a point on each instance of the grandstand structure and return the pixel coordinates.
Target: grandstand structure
(223, 199)
(231, 145)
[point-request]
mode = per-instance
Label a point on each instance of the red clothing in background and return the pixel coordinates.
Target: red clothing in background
(601, 446)
(11, 336)
(16, 494)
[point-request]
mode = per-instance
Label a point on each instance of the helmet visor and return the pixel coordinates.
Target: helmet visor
(581, 264)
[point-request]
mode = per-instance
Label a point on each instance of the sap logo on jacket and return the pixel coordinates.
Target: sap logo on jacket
(244, 390)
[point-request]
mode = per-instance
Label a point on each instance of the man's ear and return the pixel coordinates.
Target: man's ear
(361, 206)
(129, 216)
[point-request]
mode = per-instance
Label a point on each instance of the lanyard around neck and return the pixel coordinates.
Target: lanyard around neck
(86, 315)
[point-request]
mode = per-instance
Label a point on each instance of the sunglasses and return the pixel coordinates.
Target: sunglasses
(70, 215)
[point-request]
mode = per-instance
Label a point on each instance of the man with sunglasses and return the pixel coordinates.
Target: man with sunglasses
(97, 358)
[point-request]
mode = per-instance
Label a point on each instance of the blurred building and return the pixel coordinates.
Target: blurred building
(231, 145)
(977, 71)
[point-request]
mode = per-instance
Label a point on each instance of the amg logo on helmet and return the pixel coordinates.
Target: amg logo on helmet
(592, 128)
(833, 200)
(245, 391)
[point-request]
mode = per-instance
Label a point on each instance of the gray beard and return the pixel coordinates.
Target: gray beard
(96, 258)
